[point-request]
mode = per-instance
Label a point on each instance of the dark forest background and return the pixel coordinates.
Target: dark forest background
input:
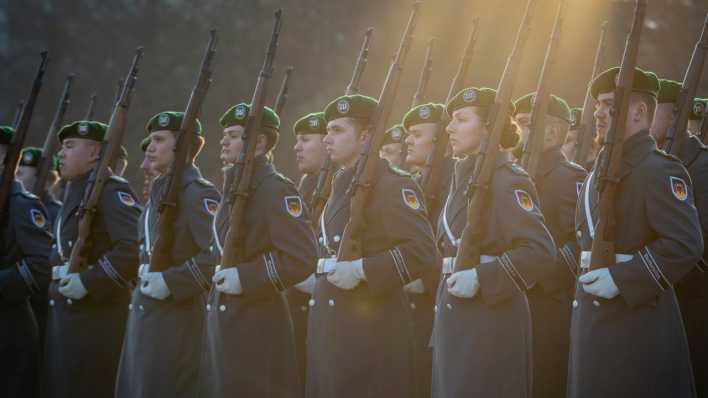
(321, 38)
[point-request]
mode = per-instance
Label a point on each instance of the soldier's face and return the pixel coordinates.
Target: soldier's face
(571, 141)
(421, 143)
(27, 175)
(310, 152)
(231, 144)
(146, 166)
(393, 153)
(161, 151)
(343, 141)
(603, 115)
(465, 129)
(523, 120)
(694, 126)
(77, 157)
(662, 121)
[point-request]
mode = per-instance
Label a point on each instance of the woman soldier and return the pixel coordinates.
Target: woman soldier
(482, 331)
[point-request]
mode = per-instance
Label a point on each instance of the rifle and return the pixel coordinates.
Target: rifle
(603, 245)
(78, 259)
(18, 113)
(51, 141)
(240, 187)
(469, 250)
(119, 89)
(433, 169)
(419, 97)
(533, 148)
(90, 111)
(676, 134)
(161, 257)
(365, 174)
(18, 139)
(703, 130)
(586, 131)
(282, 97)
(324, 178)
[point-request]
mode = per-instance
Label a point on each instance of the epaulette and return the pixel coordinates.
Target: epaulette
(29, 195)
(118, 178)
(205, 182)
(399, 172)
(574, 166)
(514, 167)
(284, 178)
(667, 155)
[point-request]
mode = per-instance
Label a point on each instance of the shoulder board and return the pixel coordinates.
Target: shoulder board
(56, 202)
(574, 166)
(399, 172)
(284, 178)
(667, 155)
(514, 167)
(205, 182)
(29, 195)
(118, 179)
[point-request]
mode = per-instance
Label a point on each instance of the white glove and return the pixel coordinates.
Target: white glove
(227, 280)
(142, 270)
(463, 284)
(415, 287)
(308, 285)
(347, 274)
(599, 283)
(59, 271)
(71, 286)
(153, 284)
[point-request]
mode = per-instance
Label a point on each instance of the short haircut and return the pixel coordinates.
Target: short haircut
(647, 99)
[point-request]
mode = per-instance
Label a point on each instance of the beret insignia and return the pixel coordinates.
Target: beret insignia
(469, 95)
(424, 112)
(343, 107)
(240, 112)
(83, 128)
(314, 122)
(163, 120)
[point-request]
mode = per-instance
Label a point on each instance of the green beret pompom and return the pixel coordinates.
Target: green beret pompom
(473, 97)
(170, 120)
(144, 143)
(89, 130)
(577, 115)
(644, 82)
(395, 135)
(313, 123)
(424, 113)
(30, 156)
(557, 106)
(699, 108)
(237, 115)
(355, 106)
(6, 133)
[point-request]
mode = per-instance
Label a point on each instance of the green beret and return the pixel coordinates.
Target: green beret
(472, 96)
(89, 130)
(576, 114)
(144, 143)
(424, 113)
(123, 153)
(6, 133)
(644, 82)
(395, 135)
(698, 109)
(668, 91)
(170, 120)
(29, 156)
(356, 106)
(557, 106)
(314, 123)
(238, 114)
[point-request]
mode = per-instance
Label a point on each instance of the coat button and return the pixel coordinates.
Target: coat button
(575, 303)
(321, 240)
(70, 243)
(435, 309)
(331, 302)
(68, 301)
(337, 238)
(412, 306)
(579, 234)
(142, 247)
(54, 245)
(51, 303)
(130, 307)
(208, 307)
(222, 308)
(141, 307)
(449, 306)
(311, 302)
(596, 303)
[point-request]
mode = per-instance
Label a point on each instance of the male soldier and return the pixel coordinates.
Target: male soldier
(27, 174)
(310, 151)
(249, 350)
(692, 290)
(627, 336)
(423, 124)
(360, 337)
(162, 345)
(558, 182)
(697, 113)
(392, 148)
(87, 308)
(571, 140)
(24, 271)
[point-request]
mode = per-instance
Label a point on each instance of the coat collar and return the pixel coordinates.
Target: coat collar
(550, 159)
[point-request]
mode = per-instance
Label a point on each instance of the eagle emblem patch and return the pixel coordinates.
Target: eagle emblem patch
(410, 199)
(38, 218)
(293, 204)
(126, 198)
(211, 205)
(679, 188)
(523, 199)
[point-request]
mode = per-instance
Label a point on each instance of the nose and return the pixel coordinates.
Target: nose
(409, 140)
